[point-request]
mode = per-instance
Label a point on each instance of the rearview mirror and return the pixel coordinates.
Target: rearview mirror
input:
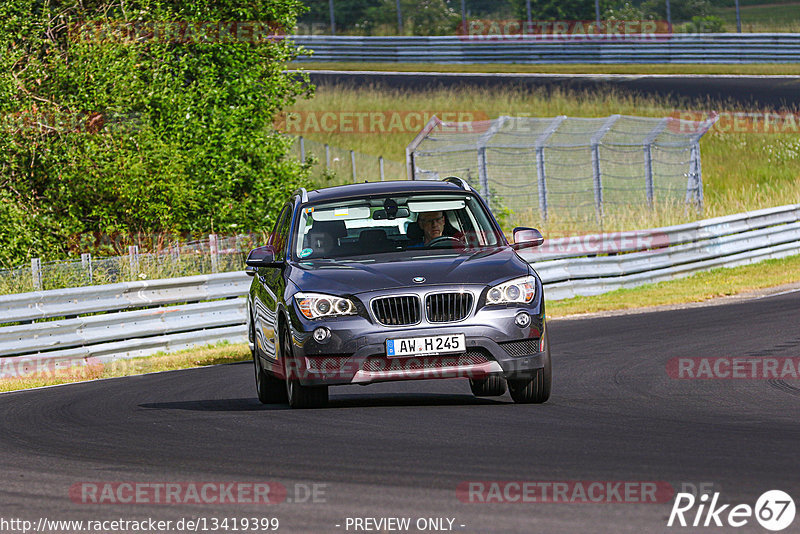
(261, 257)
(382, 215)
(526, 237)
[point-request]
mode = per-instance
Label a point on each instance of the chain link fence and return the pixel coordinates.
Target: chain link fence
(532, 169)
(213, 255)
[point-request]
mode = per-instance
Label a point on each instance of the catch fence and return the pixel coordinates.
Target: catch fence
(578, 169)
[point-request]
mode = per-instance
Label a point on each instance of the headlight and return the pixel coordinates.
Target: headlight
(316, 305)
(520, 290)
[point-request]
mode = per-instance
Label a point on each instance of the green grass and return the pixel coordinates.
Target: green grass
(196, 357)
(696, 288)
(772, 17)
(752, 69)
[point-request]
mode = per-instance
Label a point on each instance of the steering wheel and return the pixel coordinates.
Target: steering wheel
(436, 242)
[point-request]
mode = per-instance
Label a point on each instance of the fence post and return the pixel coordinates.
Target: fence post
(694, 185)
(302, 149)
(649, 184)
(483, 171)
(36, 274)
(411, 167)
(540, 169)
(596, 175)
(353, 164)
(380, 164)
(86, 261)
(327, 156)
(213, 249)
(133, 258)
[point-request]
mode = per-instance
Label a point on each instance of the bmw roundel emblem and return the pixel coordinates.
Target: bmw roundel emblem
(418, 279)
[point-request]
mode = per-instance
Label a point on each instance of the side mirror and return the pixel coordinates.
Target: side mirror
(526, 237)
(261, 257)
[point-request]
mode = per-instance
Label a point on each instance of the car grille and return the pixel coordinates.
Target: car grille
(448, 307)
(524, 347)
(396, 311)
(381, 363)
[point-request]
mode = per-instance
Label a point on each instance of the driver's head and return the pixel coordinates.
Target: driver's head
(432, 224)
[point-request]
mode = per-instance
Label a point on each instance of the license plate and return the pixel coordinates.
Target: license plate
(427, 345)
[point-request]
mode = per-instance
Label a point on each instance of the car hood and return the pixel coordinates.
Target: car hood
(485, 267)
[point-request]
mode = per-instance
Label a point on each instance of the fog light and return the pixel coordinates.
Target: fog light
(522, 320)
(321, 334)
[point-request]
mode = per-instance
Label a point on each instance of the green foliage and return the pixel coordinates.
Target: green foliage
(560, 10)
(707, 24)
(102, 134)
(679, 11)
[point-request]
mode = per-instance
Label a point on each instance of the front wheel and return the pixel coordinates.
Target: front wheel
(535, 390)
(270, 390)
(300, 396)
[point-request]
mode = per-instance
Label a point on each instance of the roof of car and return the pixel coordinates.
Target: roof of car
(382, 188)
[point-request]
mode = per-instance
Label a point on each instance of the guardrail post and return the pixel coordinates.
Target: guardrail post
(133, 258)
(380, 164)
(214, 250)
(327, 156)
(353, 164)
(86, 261)
(36, 274)
(302, 149)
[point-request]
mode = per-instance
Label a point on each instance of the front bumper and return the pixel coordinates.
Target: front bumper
(355, 351)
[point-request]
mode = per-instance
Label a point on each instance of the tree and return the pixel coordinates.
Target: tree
(141, 117)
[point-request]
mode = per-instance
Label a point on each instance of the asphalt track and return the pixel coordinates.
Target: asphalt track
(401, 449)
(724, 93)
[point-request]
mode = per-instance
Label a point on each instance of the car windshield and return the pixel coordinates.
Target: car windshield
(408, 225)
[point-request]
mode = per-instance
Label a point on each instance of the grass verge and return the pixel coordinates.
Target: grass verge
(696, 288)
(195, 357)
(763, 69)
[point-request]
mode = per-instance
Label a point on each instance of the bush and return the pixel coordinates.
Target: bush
(103, 134)
(707, 24)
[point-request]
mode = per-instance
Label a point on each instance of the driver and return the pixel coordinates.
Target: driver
(432, 225)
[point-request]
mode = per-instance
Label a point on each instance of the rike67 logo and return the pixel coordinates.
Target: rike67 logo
(774, 510)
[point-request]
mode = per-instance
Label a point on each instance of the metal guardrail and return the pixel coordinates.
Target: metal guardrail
(96, 324)
(657, 48)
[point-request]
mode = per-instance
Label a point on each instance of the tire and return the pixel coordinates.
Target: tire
(269, 389)
(492, 386)
(298, 395)
(536, 390)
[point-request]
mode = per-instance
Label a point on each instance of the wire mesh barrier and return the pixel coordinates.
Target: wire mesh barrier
(582, 169)
(337, 166)
(213, 255)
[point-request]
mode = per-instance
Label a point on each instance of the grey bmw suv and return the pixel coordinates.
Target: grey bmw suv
(403, 280)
